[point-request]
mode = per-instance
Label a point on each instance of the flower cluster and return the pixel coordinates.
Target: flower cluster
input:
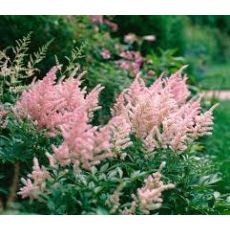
(64, 108)
(131, 61)
(83, 144)
(49, 103)
(36, 181)
(148, 197)
(161, 115)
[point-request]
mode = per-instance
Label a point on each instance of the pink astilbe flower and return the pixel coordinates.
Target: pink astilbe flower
(83, 144)
(119, 130)
(36, 181)
(149, 196)
(34, 103)
(161, 115)
(65, 109)
(48, 102)
(178, 87)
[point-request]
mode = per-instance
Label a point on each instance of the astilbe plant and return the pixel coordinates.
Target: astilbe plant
(35, 182)
(148, 197)
(50, 104)
(162, 116)
(63, 108)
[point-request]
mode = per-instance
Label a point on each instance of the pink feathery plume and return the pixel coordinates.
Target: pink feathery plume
(47, 102)
(161, 115)
(149, 196)
(35, 182)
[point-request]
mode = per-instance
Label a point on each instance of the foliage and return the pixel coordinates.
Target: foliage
(215, 77)
(44, 28)
(17, 70)
(169, 31)
(219, 146)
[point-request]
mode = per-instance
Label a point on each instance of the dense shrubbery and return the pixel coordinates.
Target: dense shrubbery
(115, 140)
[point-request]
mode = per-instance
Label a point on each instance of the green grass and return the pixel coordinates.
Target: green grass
(218, 145)
(216, 77)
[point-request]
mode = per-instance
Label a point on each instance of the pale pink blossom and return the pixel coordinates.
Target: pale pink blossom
(36, 181)
(85, 145)
(96, 19)
(149, 196)
(130, 38)
(29, 189)
(48, 103)
(162, 115)
(119, 130)
(105, 54)
(150, 38)
(63, 108)
(131, 61)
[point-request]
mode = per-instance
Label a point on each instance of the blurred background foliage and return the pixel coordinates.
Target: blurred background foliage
(204, 41)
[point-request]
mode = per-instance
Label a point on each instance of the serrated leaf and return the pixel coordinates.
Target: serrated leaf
(104, 167)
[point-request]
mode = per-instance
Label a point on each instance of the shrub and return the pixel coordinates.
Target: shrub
(102, 170)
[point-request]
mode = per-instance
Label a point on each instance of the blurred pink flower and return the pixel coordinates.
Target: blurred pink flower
(150, 38)
(151, 73)
(130, 38)
(96, 19)
(99, 20)
(113, 26)
(123, 64)
(105, 54)
(132, 62)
